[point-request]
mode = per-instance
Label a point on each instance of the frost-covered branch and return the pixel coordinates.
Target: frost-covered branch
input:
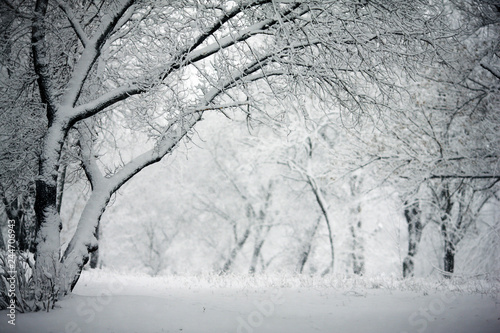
(91, 52)
(41, 61)
(88, 158)
(186, 57)
(82, 36)
(310, 180)
(232, 39)
(226, 17)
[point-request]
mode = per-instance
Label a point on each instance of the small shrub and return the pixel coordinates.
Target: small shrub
(15, 281)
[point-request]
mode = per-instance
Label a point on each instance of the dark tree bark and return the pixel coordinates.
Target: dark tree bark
(2, 243)
(94, 255)
(449, 252)
(460, 203)
(357, 243)
(304, 255)
(259, 242)
(448, 237)
(262, 229)
(415, 227)
(235, 251)
(324, 210)
(15, 210)
(357, 254)
(255, 256)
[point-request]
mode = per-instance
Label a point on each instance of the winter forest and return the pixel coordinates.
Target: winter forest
(250, 166)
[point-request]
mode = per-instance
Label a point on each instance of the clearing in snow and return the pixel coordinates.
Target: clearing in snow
(111, 302)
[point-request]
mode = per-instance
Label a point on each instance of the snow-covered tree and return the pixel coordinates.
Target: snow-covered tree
(444, 137)
(162, 64)
(300, 159)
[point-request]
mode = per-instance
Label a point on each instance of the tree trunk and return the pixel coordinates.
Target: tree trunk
(448, 237)
(47, 244)
(84, 240)
(2, 243)
(18, 215)
(357, 254)
(94, 256)
(259, 242)
(322, 205)
(48, 222)
(449, 259)
(307, 248)
(449, 253)
(415, 228)
(61, 180)
(255, 256)
(235, 251)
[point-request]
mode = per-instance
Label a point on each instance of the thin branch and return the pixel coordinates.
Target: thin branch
(89, 162)
(491, 69)
(183, 59)
(224, 19)
(464, 177)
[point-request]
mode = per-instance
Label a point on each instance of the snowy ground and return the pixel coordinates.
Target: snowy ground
(110, 302)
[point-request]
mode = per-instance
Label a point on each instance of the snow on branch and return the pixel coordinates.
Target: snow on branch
(82, 36)
(230, 40)
(93, 107)
(178, 129)
(109, 22)
(183, 59)
(88, 158)
(223, 20)
(97, 105)
(41, 61)
(91, 52)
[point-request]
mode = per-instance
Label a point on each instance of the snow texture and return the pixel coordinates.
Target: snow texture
(106, 302)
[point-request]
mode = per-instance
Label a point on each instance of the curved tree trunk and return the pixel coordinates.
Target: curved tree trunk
(323, 206)
(304, 255)
(84, 240)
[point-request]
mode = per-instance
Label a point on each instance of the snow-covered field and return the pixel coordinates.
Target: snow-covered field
(111, 302)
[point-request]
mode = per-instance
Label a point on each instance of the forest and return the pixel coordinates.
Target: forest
(247, 139)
